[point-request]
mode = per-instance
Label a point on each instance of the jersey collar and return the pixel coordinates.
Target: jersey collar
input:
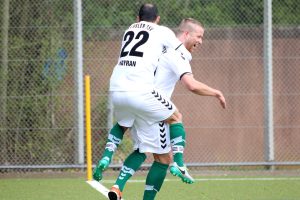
(181, 48)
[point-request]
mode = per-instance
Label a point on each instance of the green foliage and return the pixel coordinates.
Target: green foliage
(102, 15)
(31, 105)
(286, 12)
(244, 12)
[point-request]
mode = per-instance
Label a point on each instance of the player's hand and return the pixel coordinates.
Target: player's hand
(222, 100)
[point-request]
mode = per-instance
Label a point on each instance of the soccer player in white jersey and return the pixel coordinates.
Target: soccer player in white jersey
(173, 66)
(132, 82)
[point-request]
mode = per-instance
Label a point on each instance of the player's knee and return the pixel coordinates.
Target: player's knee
(118, 128)
(123, 128)
(176, 117)
(163, 158)
(179, 117)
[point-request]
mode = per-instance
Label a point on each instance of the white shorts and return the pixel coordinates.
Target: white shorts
(150, 106)
(153, 138)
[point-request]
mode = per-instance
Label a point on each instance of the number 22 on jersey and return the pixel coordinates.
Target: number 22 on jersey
(138, 40)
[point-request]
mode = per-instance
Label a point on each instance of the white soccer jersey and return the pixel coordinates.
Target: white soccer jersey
(172, 66)
(154, 138)
(142, 45)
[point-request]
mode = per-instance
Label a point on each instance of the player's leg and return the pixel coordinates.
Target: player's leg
(154, 139)
(114, 139)
(148, 138)
(156, 175)
(125, 118)
(132, 163)
(177, 137)
(135, 160)
(159, 108)
(177, 132)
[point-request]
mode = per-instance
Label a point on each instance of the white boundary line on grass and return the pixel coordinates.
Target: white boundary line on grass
(104, 191)
(100, 188)
(221, 179)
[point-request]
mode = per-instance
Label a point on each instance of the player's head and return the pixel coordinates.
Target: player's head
(149, 13)
(190, 32)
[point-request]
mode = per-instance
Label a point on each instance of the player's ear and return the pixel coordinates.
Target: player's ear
(185, 33)
(157, 20)
(138, 19)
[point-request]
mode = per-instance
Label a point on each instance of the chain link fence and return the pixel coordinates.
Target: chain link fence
(38, 102)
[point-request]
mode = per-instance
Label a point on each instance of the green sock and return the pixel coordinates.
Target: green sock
(131, 164)
(114, 139)
(155, 179)
(177, 137)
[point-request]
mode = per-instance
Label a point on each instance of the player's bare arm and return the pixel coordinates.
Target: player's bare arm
(202, 89)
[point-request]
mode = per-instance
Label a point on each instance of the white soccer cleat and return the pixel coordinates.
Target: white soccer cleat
(181, 172)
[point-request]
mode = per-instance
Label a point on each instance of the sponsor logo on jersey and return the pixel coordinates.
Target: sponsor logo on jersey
(142, 25)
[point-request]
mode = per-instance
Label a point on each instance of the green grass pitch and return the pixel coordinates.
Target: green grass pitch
(205, 188)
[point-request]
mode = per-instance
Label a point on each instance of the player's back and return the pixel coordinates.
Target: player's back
(141, 48)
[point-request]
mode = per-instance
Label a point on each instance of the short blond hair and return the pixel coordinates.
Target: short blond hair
(187, 25)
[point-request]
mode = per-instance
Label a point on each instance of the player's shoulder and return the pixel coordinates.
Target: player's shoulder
(171, 52)
(184, 53)
(162, 27)
(172, 56)
(165, 30)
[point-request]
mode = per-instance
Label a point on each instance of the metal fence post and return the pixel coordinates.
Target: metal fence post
(3, 80)
(268, 82)
(78, 64)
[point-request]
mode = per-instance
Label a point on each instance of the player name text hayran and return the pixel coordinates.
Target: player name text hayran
(127, 63)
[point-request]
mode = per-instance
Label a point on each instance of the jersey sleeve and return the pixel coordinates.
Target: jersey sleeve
(178, 63)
